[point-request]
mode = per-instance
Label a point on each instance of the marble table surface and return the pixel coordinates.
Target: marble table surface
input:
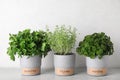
(48, 74)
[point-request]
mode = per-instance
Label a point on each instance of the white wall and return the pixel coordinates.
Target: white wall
(88, 16)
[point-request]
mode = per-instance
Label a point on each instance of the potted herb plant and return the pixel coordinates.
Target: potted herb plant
(61, 42)
(95, 47)
(30, 47)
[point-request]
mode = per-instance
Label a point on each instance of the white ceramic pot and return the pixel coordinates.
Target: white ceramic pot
(64, 64)
(30, 65)
(96, 67)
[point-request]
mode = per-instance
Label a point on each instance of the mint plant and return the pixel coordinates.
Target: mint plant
(62, 40)
(27, 43)
(96, 45)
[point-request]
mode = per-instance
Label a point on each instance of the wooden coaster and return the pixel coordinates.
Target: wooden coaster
(60, 71)
(30, 71)
(96, 72)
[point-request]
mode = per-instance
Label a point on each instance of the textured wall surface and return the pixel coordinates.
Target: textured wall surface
(88, 16)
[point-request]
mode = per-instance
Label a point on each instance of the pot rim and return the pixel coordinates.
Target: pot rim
(65, 55)
(98, 58)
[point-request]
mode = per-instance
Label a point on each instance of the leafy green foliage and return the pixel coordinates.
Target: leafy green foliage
(27, 43)
(96, 45)
(62, 40)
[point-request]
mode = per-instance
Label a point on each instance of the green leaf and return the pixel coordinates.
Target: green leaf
(27, 43)
(95, 45)
(43, 46)
(32, 45)
(62, 39)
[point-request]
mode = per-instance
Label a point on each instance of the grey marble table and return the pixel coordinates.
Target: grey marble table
(48, 74)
